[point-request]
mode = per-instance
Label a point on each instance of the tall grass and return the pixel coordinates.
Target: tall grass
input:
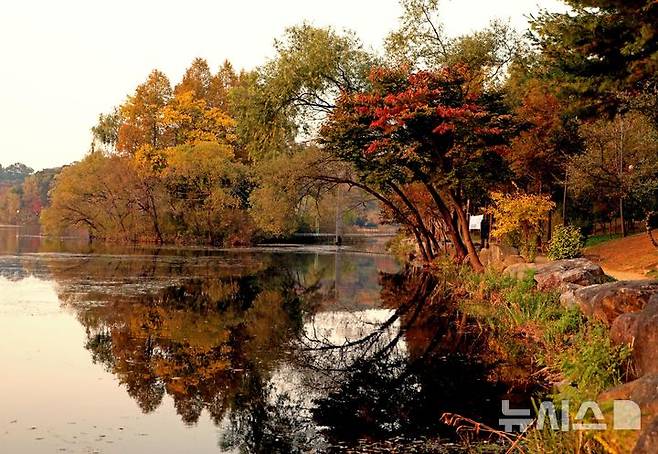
(574, 355)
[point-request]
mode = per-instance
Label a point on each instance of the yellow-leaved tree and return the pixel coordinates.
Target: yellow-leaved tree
(518, 219)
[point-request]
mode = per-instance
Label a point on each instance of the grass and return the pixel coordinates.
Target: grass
(573, 355)
(599, 239)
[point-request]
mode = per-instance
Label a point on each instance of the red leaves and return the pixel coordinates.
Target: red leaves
(412, 114)
(443, 128)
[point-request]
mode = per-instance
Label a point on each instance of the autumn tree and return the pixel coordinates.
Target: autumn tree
(426, 128)
(209, 193)
(95, 195)
(519, 219)
(546, 138)
(142, 118)
(188, 120)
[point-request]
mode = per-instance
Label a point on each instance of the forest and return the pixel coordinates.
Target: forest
(557, 125)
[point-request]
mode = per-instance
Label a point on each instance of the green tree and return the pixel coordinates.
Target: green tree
(421, 43)
(619, 167)
(600, 48)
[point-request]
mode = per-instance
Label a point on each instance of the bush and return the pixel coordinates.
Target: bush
(566, 243)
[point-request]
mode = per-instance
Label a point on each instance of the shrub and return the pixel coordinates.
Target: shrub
(566, 243)
(519, 215)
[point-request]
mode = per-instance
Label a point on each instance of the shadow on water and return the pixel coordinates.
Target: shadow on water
(284, 352)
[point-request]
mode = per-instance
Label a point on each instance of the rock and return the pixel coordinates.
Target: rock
(624, 329)
(512, 260)
(644, 392)
(568, 296)
(519, 270)
(554, 275)
(640, 330)
(648, 442)
(606, 302)
(498, 256)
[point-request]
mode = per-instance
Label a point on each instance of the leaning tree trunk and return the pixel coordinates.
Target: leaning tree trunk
(460, 249)
(473, 257)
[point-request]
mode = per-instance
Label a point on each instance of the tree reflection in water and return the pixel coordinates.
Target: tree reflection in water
(283, 355)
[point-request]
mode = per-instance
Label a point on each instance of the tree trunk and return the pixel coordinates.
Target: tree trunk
(621, 217)
(424, 231)
(460, 250)
(473, 257)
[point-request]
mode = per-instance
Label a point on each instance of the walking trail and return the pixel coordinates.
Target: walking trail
(630, 258)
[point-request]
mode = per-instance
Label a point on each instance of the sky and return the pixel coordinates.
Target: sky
(64, 62)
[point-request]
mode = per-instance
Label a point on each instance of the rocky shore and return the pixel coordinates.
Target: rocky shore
(628, 308)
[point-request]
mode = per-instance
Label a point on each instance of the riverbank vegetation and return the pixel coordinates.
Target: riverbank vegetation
(429, 129)
(564, 354)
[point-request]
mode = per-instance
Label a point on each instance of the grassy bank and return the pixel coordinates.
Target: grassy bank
(570, 356)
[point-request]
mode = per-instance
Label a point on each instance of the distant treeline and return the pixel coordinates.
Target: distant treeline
(558, 125)
(24, 193)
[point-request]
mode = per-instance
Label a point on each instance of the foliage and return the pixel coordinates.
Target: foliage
(600, 239)
(14, 173)
(428, 128)
(24, 193)
(421, 43)
(566, 243)
(520, 214)
(142, 119)
(277, 204)
(619, 165)
(599, 48)
(531, 328)
(186, 193)
(538, 153)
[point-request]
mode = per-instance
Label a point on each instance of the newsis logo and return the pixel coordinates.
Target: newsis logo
(626, 415)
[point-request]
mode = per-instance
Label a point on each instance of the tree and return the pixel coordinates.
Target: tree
(188, 120)
(599, 49)
(142, 114)
(427, 128)
(209, 193)
(196, 80)
(106, 131)
(619, 166)
(14, 173)
(10, 204)
(95, 195)
(539, 153)
(518, 217)
(420, 43)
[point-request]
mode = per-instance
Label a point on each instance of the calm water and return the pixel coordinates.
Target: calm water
(283, 349)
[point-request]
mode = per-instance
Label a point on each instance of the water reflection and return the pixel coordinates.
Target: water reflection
(283, 351)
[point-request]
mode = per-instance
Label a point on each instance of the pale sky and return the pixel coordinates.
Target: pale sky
(63, 62)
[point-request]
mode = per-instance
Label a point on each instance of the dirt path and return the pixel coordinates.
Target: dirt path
(628, 258)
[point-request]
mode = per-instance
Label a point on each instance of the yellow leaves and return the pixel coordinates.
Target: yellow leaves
(149, 160)
(191, 121)
(519, 212)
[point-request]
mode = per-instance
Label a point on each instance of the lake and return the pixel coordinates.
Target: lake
(282, 348)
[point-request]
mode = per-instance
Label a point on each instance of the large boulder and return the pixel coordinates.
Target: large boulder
(648, 442)
(608, 301)
(498, 256)
(520, 270)
(556, 275)
(640, 329)
(644, 392)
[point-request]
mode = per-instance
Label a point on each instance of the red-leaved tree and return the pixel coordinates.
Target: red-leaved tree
(431, 131)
